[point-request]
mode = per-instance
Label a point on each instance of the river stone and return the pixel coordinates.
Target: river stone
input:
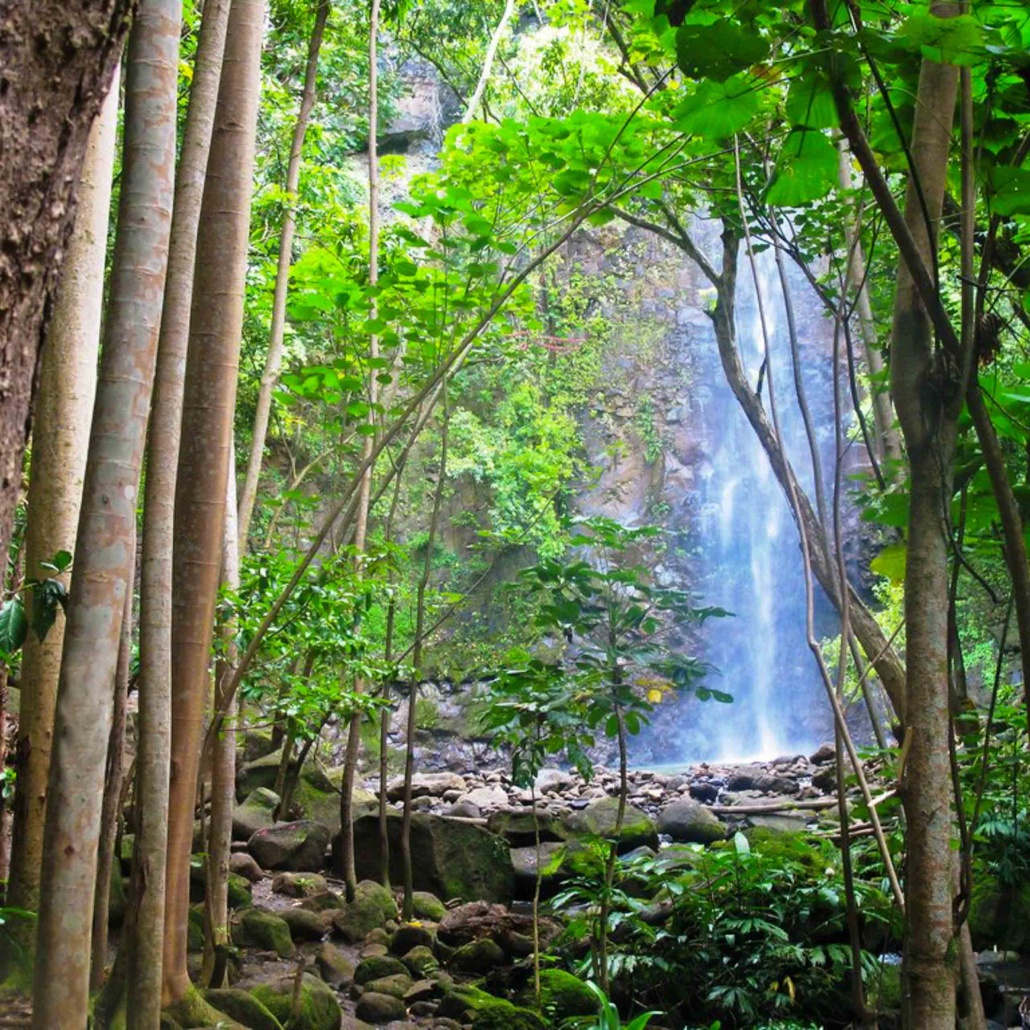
(515, 825)
(478, 957)
(298, 846)
(411, 935)
(317, 797)
(451, 859)
(485, 799)
(380, 1008)
(562, 995)
(299, 885)
(376, 967)
(243, 1007)
(421, 961)
(242, 864)
(305, 925)
(524, 862)
(426, 785)
(259, 928)
(599, 819)
(397, 985)
(258, 773)
(485, 1012)
(372, 908)
(427, 905)
(689, 822)
(336, 969)
(257, 812)
(318, 1010)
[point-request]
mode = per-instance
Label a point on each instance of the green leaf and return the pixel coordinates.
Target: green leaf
(13, 625)
(718, 51)
(806, 169)
(957, 40)
(1009, 191)
(890, 562)
(740, 844)
(719, 109)
(810, 102)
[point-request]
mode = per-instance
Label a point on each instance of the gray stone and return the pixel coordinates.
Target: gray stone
(298, 847)
(257, 812)
(689, 822)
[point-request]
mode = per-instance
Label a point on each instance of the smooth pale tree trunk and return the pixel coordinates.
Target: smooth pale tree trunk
(56, 63)
(350, 764)
(270, 376)
(922, 377)
(64, 405)
(104, 547)
(223, 765)
(210, 396)
(155, 682)
(111, 812)
(488, 61)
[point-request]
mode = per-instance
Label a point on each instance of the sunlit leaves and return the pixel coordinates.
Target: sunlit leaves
(718, 50)
(13, 626)
(806, 169)
(715, 110)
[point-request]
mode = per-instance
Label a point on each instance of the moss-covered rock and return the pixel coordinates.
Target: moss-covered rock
(317, 797)
(600, 817)
(375, 967)
(372, 908)
(689, 822)
(397, 985)
(451, 858)
(256, 812)
(426, 905)
(563, 995)
(380, 1008)
(336, 968)
(421, 961)
(117, 899)
(784, 846)
(192, 1011)
(299, 885)
(485, 1012)
(999, 916)
(242, 1007)
(318, 1008)
(258, 928)
(517, 827)
(296, 847)
(411, 935)
(305, 925)
(478, 957)
(195, 930)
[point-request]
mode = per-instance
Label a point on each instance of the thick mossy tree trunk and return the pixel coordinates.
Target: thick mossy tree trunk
(104, 546)
(206, 446)
(67, 386)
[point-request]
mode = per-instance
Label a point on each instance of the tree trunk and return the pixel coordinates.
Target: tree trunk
(65, 53)
(270, 377)
(155, 682)
(104, 548)
(928, 394)
(223, 764)
(67, 386)
(210, 394)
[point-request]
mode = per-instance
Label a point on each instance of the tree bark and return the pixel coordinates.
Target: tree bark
(67, 386)
(155, 683)
(56, 63)
(104, 549)
(210, 395)
(111, 811)
(270, 376)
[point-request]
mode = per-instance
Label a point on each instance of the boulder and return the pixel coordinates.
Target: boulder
(427, 905)
(477, 958)
(256, 812)
(470, 1005)
(380, 1008)
(396, 985)
(599, 819)
(562, 995)
(421, 961)
(372, 908)
(451, 859)
(999, 916)
(376, 967)
(305, 925)
(318, 1008)
(259, 928)
(242, 864)
(317, 797)
(689, 822)
(485, 799)
(257, 773)
(411, 935)
(426, 785)
(524, 862)
(242, 1007)
(478, 920)
(298, 846)
(335, 968)
(515, 825)
(299, 885)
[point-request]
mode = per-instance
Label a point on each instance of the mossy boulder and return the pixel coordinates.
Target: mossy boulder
(600, 817)
(563, 996)
(336, 968)
(117, 899)
(380, 1008)
(372, 908)
(305, 925)
(317, 797)
(242, 1007)
(299, 885)
(375, 967)
(295, 847)
(517, 827)
(689, 822)
(238, 886)
(195, 930)
(258, 773)
(318, 1008)
(256, 812)
(468, 1004)
(478, 957)
(192, 1011)
(428, 906)
(396, 986)
(451, 858)
(411, 935)
(258, 928)
(421, 961)
(783, 846)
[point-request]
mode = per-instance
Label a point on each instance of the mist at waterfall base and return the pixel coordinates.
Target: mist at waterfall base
(746, 548)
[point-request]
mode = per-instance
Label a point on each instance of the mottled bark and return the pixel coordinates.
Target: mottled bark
(56, 62)
(270, 376)
(209, 400)
(64, 406)
(155, 684)
(104, 547)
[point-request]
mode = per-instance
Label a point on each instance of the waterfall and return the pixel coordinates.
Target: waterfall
(746, 547)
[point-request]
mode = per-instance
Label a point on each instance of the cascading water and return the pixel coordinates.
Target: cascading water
(745, 545)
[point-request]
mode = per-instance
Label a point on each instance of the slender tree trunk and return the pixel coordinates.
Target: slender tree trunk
(5, 811)
(350, 766)
(155, 683)
(64, 406)
(928, 389)
(56, 63)
(223, 764)
(270, 377)
(111, 812)
(488, 61)
(210, 394)
(104, 548)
